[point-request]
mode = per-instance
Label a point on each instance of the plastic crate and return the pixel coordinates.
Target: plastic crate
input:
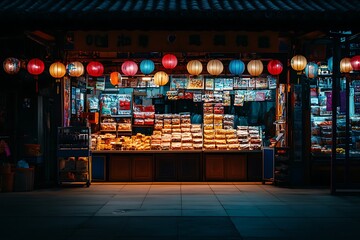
(24, 179)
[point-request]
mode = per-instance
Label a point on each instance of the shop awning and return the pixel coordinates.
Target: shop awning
(181, 14)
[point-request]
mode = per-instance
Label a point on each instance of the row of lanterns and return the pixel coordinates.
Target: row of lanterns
(130, 68)
(169, 61)
(299, 64)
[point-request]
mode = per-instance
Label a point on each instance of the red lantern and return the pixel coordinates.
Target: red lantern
(129, 68)
(275, 67)
(95, 69)
(35, 66)
(355, 62)
(169, 61)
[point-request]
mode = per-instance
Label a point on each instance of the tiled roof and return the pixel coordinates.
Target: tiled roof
(161, 13)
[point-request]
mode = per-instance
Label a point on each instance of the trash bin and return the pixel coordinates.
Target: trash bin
(24, 179)
(7, 182)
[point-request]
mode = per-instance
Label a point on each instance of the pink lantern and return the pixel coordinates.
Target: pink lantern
(129, 68)
(275, 67)
(169, 61)
(355, 62)
(95, 69)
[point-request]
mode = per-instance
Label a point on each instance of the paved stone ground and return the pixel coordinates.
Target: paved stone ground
(178, 211)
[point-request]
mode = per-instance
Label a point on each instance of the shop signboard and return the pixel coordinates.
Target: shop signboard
(172, 41)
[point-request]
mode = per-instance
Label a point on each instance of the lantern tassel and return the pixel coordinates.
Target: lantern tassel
(57, 81)
(36, 84)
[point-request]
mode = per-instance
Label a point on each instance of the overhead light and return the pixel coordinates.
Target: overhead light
(146, 78)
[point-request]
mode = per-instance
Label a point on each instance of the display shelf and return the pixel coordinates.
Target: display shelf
(281, 166)
(73, 155)
(145, 126)
(118, 116)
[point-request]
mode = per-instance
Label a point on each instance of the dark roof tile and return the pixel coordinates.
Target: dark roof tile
(101, 12)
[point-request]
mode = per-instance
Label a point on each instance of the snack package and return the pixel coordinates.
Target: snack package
(159, 116)
(139, 115)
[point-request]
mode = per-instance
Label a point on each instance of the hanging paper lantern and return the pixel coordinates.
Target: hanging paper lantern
(161, 78)
(345, 65)
(35, 66)
(330, 64)
(274, 67)
(95, 69)
(11, 65)
(115, 78)
(236, 67)
(57, 70)
(194, 67)
(255, 67)
(311, 70)
(298, 63)
(147, 66)
(215, 67)
(75, 69)
(169, 61)
(355, 62)
(129, 68)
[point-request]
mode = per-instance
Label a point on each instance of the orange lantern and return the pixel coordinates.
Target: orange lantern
(194, 67)
(345, 65)
(161, 78)
(298, 63)
(75, 69)
(255, 67)
(215, 67)
(57, 70)
(115, 79)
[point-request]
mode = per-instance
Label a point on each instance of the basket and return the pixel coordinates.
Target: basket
(32, 150)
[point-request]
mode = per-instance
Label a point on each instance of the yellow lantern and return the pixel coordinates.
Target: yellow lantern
(298, 63)
(57, 70)
(215, 67)
(75, 69)
(115, 78)
(161, 78)
(255, 67)
(194, 67)
(345, 65)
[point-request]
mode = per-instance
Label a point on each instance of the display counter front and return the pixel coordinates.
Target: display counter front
(174, 166)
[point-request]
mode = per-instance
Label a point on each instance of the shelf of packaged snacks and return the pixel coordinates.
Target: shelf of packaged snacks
(175, 151)
(146, 151)
(115, 116)
(149, 126)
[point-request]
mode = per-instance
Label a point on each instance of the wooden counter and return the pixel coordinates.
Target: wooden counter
(171, 165)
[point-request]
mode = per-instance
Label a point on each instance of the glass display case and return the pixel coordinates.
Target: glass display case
(116, 113)
(321, 118)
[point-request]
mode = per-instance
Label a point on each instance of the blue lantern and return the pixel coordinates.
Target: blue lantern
(330, 64)
(311, 70)
(147, 66)
(236, 67)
